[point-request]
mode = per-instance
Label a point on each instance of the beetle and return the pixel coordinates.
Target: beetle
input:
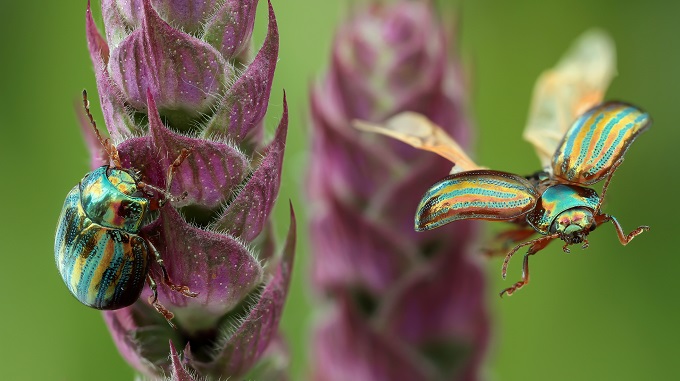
(99, 250)
(556, 202)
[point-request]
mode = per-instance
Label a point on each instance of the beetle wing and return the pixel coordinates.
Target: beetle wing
(418, 131)
(598, 140)
(481, 194)
(576, 84)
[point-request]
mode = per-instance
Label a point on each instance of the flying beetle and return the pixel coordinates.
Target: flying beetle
(99, 250)
(557, 201)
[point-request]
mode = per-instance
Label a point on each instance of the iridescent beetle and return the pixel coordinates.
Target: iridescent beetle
(553, 202)
(98, 249)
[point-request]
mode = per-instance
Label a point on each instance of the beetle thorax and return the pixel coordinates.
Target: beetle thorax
(110, 198)
(573, 225)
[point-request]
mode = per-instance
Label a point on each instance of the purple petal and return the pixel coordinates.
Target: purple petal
(95, 42)
(245, 104)
(348, 347)
(208, 175)
(359, 166)
(242, 349)
(189, 15)
(116, 116)
(141, 336)
(352, 250)
(387, 59)
(183, 73)
(179, 373)
(117, 20)
(247, 214)
(451, 290)
(218, 267)
(230, 28)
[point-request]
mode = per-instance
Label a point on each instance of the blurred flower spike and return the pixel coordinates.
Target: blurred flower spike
(175, 75)
(401, 305)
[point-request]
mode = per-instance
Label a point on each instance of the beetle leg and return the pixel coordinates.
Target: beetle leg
(153, 300)
(623, 237)
(536, 246)
(167, 196)
(184, 290)
(503, 240)
(606, 184)
(173, 167)
(504, 268)
(110, 149)
(565, 248)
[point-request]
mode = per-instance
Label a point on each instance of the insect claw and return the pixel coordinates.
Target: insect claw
(153, 300)
(566, 249)
(585, 244)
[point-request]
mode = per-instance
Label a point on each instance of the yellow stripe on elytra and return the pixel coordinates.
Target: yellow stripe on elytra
(104, 263)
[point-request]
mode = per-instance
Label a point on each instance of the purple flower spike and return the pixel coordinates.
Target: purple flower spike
(168, 83)
(403, 305)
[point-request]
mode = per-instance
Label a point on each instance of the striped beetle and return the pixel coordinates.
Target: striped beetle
(99, 250)
(553, 202)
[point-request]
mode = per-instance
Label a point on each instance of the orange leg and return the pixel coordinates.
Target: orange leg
(184, 290)
(606, 184)
(536, 246)
(167, 196)
(173, 167)
(623, 237)
(153, 300)
(505, 240)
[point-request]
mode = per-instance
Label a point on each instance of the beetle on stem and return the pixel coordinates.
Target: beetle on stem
(99, 249)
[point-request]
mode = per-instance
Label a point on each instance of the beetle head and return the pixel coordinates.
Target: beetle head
(574, 225)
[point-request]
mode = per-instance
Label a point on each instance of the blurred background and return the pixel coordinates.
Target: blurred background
(609, 312)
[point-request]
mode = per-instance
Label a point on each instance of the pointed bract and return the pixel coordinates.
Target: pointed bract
(96, 44)
(229, 29)
(239, 219)
(242, 109)
(179, 372)
(238, 351)
(218, 267)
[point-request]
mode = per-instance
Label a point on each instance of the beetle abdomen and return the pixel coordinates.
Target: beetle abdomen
(103, 268)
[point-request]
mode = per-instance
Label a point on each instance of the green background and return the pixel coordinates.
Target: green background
(610, 312)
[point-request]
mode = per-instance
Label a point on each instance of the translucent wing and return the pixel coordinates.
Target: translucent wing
(577, 83)
(481, 194)
(420, 132)
(597, 141)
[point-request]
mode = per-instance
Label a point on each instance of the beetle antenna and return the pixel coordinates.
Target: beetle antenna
(110, 149)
